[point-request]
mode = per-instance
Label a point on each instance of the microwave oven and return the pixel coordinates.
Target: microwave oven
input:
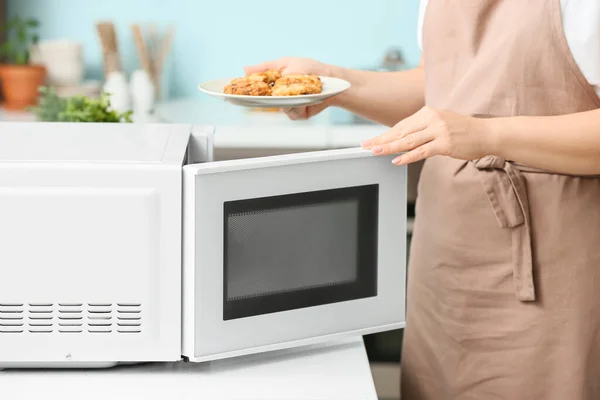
(128, 243)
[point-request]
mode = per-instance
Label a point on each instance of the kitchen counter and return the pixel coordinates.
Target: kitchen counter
(332, 371)
(14, 116)
(243, 128)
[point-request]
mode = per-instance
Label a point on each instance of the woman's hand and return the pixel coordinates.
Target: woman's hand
(294, 65)
(431, 132)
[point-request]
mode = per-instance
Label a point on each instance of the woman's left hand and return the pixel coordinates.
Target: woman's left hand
(431, 132)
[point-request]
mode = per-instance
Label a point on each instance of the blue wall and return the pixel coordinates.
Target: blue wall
(216, 38)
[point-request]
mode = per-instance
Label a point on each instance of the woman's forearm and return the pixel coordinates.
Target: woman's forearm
(565, 144)
(384, 97)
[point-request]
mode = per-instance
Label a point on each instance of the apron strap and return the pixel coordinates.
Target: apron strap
(505, 188)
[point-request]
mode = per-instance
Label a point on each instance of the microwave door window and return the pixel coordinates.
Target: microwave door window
(323, 254)
(299, 250)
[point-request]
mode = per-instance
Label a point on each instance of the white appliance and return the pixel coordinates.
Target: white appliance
(126, 243)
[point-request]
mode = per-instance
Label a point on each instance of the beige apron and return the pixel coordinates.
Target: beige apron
(504, 279)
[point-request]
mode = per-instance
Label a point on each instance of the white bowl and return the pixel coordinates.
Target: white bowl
(63, 60)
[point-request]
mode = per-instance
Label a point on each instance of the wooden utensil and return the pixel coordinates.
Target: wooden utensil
(110, 47)
(164, 49)
(152, 51)
(141, 47)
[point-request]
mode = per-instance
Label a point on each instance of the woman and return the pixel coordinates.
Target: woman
(504, 280)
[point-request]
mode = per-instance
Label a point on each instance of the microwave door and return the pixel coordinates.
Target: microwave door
(290, 250)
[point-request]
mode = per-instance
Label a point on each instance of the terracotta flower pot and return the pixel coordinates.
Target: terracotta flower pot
(20, 85)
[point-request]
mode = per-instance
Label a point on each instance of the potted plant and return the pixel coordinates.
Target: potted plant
(52, 108)
(19, 79)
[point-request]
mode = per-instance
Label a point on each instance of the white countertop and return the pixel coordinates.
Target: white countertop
(333, 371)
(13, 116)
(241, 127)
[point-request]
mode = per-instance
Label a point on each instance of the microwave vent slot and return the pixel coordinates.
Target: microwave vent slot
(129, 318)
(99, 318)
(70, 318)
(12, 320)
(40, 318)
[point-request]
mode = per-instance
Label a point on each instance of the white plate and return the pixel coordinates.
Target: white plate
(331, 87)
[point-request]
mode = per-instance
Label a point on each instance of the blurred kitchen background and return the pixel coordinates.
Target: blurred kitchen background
(215, 39)
(152, 54)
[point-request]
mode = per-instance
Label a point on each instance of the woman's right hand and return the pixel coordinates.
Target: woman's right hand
(294, 65)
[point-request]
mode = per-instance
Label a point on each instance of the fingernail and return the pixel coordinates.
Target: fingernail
(377, 149)
(397, 161)
(285, 110)
(366, 143)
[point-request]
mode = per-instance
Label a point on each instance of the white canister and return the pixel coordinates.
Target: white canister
(142, 93)
(116, 85)
(63, 60)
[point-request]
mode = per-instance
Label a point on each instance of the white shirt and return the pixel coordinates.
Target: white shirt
(581, 22)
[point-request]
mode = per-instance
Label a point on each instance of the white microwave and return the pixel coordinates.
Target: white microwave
(127, 243)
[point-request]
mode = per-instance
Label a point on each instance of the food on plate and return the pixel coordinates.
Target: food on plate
(269, 76)
(298, 78)
(252, 84)
(294, 85)
(248, 87)
(295, 89)
(271, 83)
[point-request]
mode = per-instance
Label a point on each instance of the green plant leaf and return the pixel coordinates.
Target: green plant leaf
(16, 21)
(5, 48)
(76, 109)
(49, 105)
(21, 35)
(20, 59)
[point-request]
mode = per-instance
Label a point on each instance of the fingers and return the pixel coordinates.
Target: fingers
(420, 153)
(300, 113)
(276, 65)
(416, 122)
(296, 113)
(317, 108)
(386, 137)
(410, 142)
